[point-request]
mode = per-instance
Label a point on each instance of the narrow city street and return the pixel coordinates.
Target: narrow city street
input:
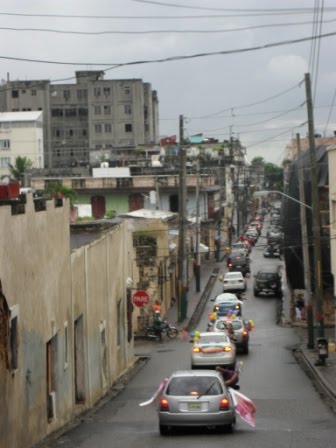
(290, 413)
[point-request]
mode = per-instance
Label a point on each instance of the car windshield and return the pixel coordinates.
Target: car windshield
(194, 385)
(213, 339)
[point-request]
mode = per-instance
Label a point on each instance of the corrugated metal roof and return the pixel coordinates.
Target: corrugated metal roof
(35, 115)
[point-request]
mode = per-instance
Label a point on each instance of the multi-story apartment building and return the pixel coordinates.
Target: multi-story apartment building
(87, 118)
(21, 134)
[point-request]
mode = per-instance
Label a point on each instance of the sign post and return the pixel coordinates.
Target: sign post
(140, 298)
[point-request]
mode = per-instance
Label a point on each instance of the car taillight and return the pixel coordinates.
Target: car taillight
(197, 350)
(164, 405)
(216, 308)
(245, 334)
(224, 404)
(230, 265)
(227, 349)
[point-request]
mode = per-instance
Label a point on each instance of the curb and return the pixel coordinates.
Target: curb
(322, 384)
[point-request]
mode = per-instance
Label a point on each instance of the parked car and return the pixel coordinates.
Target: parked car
(241, 333)
(234, 281)
(267, 281)
(195, 398)
(239, 263)
(252, 234)
(213, 349)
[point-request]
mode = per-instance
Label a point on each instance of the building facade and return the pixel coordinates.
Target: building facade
(21, 134)
(93, 115)
(65, 319)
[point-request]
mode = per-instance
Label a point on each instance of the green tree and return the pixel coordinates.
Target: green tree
(20, 168)
(56, 189)
(273, 177)
(258, 161)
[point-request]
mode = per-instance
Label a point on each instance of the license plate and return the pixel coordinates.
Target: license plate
(194, 406)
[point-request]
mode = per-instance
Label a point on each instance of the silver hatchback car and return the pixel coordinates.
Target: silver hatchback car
(196, 398)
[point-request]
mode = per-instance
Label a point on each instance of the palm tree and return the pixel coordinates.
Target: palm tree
(20, 167)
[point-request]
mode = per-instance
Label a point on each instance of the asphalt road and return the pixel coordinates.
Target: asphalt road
(290, 413)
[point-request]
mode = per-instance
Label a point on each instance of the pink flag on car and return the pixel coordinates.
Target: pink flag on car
(244, 407)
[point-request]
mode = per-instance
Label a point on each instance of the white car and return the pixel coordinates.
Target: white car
(234, 281)
(213, 349)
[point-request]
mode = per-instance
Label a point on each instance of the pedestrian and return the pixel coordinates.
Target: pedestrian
(299, 307)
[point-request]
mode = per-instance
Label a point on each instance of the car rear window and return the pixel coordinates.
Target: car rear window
(209, 339)
(202, 385)
(267, 276)
(236, 325)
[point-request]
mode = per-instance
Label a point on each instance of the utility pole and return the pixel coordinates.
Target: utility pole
(198, 232)
(157, 193)
(182, 266)
(305, 250)
(318, 291)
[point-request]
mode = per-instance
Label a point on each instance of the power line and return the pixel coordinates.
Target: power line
(170, 31)
(173, 58)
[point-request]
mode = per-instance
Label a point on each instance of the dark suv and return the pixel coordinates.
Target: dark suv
(237, 262)
(267, 281)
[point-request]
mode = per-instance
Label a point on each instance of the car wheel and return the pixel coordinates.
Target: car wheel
(164, 430)
(255, 292)
(245, 349)
(229, 428)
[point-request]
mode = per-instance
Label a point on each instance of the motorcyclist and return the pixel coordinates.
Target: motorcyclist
(231, 377)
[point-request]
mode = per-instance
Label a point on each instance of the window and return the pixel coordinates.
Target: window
(66, 94)
(98, 128)
(71, 133)
(96, 91)
(127, 90)
(108, 127)
(15, 110)
(107, 91)
(58, 153)
(128, 109)
(107, 110)
(82, 112)
(84, 133)
(128, 128)
(15, 94)
(57, 133)
(4, 144)
(97, 110)
(82, 94)
(40, 108)
(70, 112)
(4, 162)
(33, 92)
(57, 112)
(97, 147)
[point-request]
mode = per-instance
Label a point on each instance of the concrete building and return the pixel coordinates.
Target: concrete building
(21, 134)
(93, 115)
(65, 318)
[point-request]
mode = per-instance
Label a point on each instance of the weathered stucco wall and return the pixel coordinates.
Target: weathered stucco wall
(70, 300)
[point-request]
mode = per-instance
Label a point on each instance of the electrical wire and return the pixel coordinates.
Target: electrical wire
(330, 111)
(206, 8)
(170, 31)
(173, 58)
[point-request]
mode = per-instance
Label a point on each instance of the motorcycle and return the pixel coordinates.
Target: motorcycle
(156, 331)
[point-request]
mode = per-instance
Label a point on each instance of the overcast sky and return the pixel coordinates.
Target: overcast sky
(217, 94)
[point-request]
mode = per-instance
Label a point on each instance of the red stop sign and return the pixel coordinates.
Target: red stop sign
(140, 298)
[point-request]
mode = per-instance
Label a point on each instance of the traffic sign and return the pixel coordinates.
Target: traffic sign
(140, 298)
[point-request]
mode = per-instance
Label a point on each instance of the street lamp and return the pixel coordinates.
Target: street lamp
(266, 192)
